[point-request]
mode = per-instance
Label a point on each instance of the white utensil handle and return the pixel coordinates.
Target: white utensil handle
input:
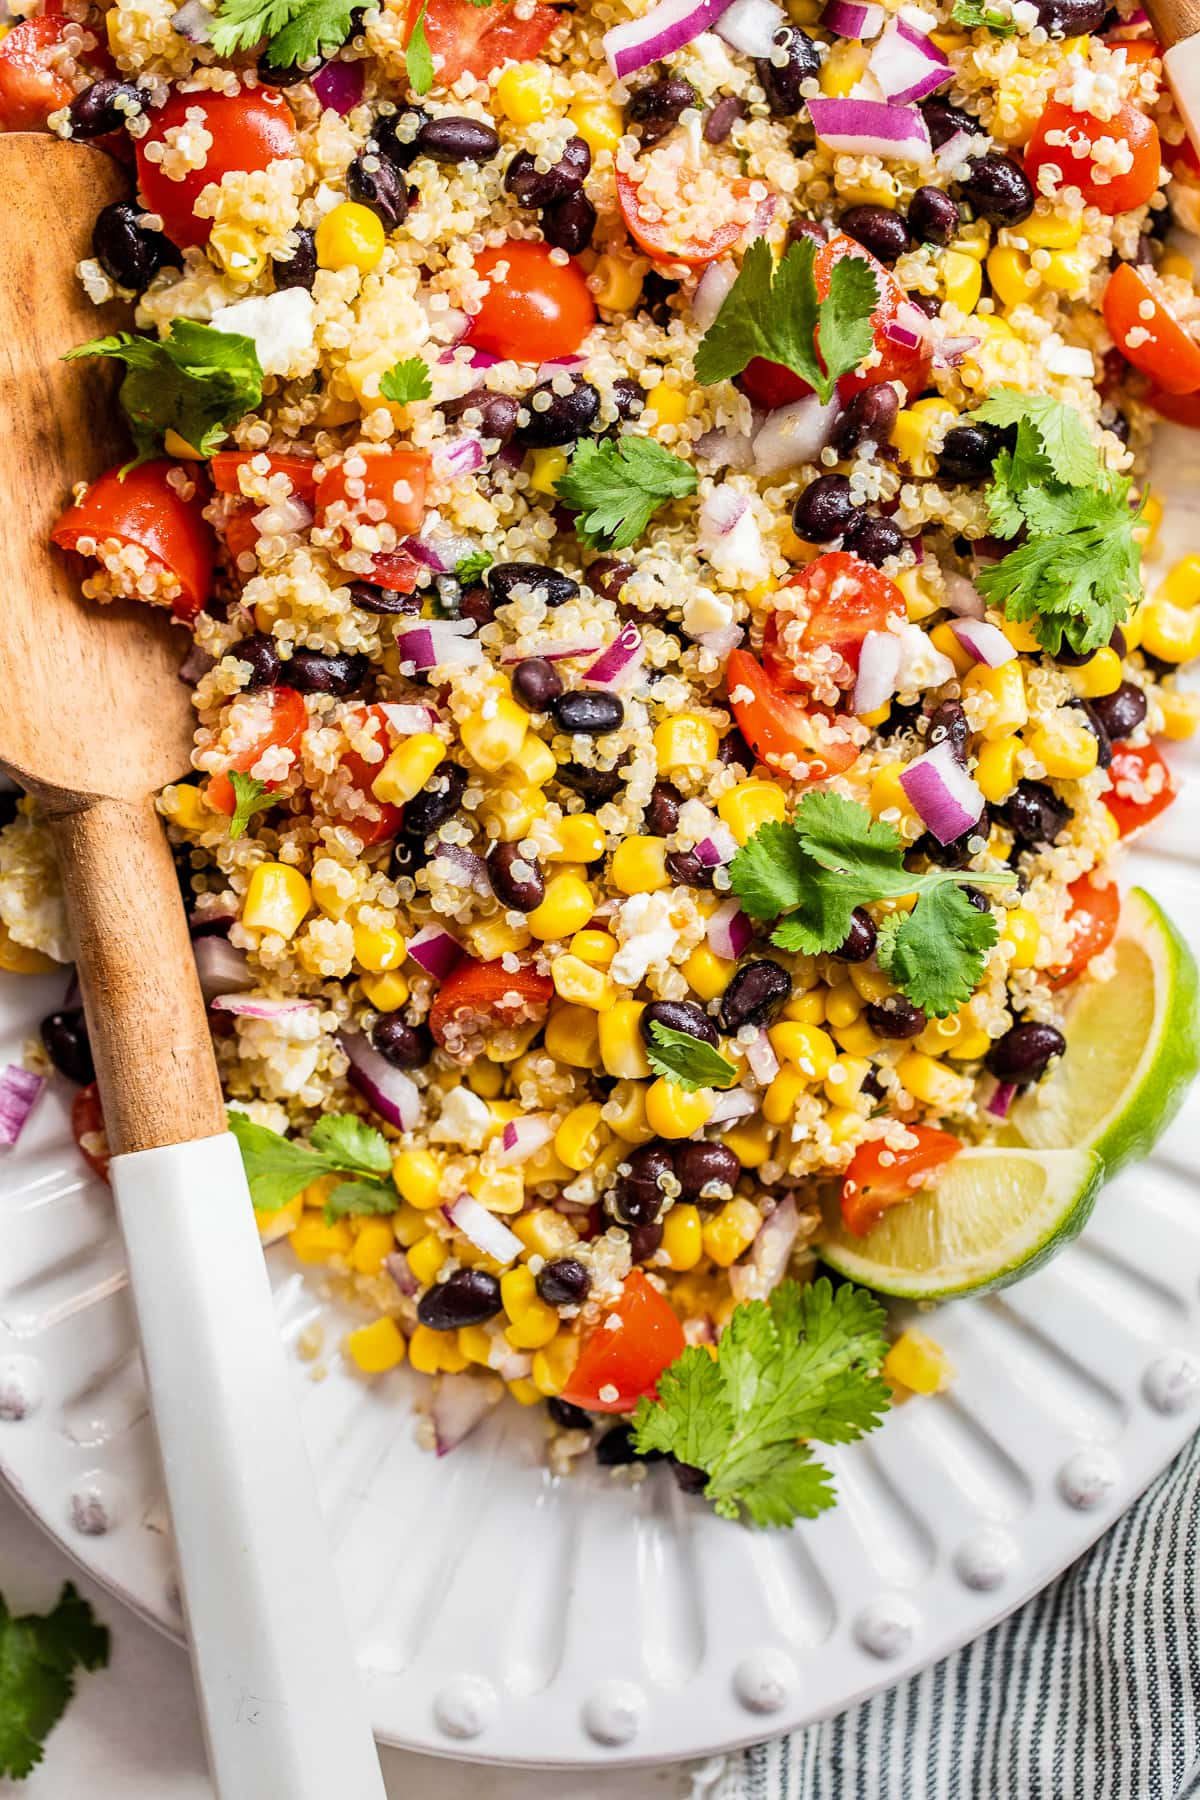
(1182, 65)
(284, 1715)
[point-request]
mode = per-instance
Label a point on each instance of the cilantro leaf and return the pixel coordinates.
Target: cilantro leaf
(775, 313)
(472, 567)
(406, 381)
(296, 30)
(770, 871)
(358, 1199)
(617, 487)
(974, 14)
(1060, 434)
(196, 382)
(841, 834)
(251, 796)
(821, 920)
(353, 1144)
(801, 1365)
(936, 953)
(418, 58)
(38, 1658)
(688, 1060)
(279, 1168)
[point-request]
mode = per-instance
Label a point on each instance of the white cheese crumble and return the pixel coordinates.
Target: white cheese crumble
(281, 326)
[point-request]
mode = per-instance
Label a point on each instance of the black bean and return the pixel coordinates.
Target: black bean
(968, 452)
(662, 809)
(1024, 1052)
(925, 303)
(564, 417)
(1071, 18)
(678, 1015)
(686, 870)
(998, 190)
(386, 601)
(1117, 642)
(281, 75)
(596, 785)
(629, 399)
(1070, 658)
(1121, 713)
(688, 1478)
(568, 224)
(516, 879)
(1034, 813)
(699, 1165)
(408, 856)
(262, 653)
(657, 291)
(531, 186)
(535, 683)
(949, 721)
(656, 106)
(105, 106)
(436, 802)
(644, 1240)
(755, 994)
(65, 1039)
(1092, 721)
(477, 603)
(616, 1449)
(497, 412)
(608, 575)
(455, 140)
(977, 897)
(878, 229)
(638, 1196)
(798, 229)
(553, 586)
(374, 181)
(387, 139)
(932, 216)
(958, 852)
(467, 1297)
(721, 120)
(870, 415)
(781, 80)
(126, 250)
(944, 120)
(314, 672)
(859, 942)
(734, 750)
(564, 1282)
(825, 510)
(1119, 425)
(895, 1017)
(571, 1418)
(874, 538)
(404, 1046)
(590, 713)
(299, 270)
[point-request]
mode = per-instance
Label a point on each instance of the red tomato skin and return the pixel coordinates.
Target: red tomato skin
(383, 470)
(250, 130)
(536, 312)
(241, 534)
(777, 724)
(871, 1185)
(30, 87)
(87, 1120)
(474, 1000)
(397, 571)
(1138, 765)
(1124, 193)
(630, 1359)
(466, 39)
(1169, 355)
(300, 470)
(363, 773)
(867, 601)
(289, 721)
(1181, 409)
(143, 508)
(695, 253)
(1095, 913)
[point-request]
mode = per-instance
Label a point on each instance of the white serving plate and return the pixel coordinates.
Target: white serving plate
(504, 1615)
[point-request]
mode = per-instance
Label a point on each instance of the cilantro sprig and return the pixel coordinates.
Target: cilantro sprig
(196, 382)
(800, 1366)
(1079, 568)
(687, 1060)
(977, 15)
(418, 58)
(617, 487)
(406, 381)
(279, 1168)
(250, 796)
(473, 568)
(775, 313)
(296, 30)
(834, 857)
(39, 1655)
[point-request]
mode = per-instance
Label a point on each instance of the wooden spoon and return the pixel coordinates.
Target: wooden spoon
(94, 722)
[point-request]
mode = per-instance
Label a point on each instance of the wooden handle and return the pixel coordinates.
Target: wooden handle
(1174, 20)
(146, 1016)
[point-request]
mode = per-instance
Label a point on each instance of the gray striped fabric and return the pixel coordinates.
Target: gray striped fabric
(1090, 1692)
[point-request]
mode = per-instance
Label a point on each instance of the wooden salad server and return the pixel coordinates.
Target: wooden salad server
(94, 722)
(1177, 27)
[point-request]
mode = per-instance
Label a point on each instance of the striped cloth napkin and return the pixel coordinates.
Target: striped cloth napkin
(1091, 1691)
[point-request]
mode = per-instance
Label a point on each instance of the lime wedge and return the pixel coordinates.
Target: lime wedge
(993, 1216)
(1133, 1045)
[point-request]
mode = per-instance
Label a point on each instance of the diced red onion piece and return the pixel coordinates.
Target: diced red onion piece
(397, 1267)
(729, 931)
(553, 652)
(461, 457)
(73, 998)
(406, 719)
(394, 1095)
(19, 1089)
(963, 598)
(948, 352)
(459, 1403)
(769, 1255)
(435, 951)
(193, 22)
(794, 434)
(722, 641)
(619, 663)
(485, 1230)
(440, 643)
(878, 668)
(667, 27)
(848, 19)
(713, 852)
(986, 643)
(871, 128)
(762, 1060)
(713, 286)
(469, 869)
(700, 1329)
(906, 65)
(477, 359)
(560, 365)
(940, 789)
(339, 85)
(523, 1138)
(255, 1006)
(954, 151)
(903, 335)
(731, 1104)
(750, 26)
(196, 663)
(429, 554)
(726, 449)
(221, 968)
(721, 510)
(1001, 1100)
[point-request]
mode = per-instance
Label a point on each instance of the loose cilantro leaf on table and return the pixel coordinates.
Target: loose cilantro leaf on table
(251, 796)
(775, 313)
(418, 58)
(688, 1060)
(801, 1365)
(407, 380)
(617, 487)
(38, 1658)
(279, 1168)
(196, 382)
(974, 14)
(296, 30)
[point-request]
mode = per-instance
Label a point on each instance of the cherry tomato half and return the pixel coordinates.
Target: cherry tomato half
(397, 571)
(1142, 786)
(394, 478)
(468, 39)
(878, 1177)
(362, 774)
(537, 310)
(1182, 158)
(1093, 916)
(270, 719)
(481, 1003)
(1146, 331)
(779, 727)
(1074, 156)
(1181, 409)
(145, 508)
(840, 599)
(87, 1128)
(250, 130)
(32, 85)
(300, 471)
(619, 1363)
(681, 234)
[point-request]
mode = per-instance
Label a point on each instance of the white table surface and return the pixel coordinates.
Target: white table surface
(132, 1733)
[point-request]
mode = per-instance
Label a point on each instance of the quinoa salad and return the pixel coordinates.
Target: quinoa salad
(653, 501)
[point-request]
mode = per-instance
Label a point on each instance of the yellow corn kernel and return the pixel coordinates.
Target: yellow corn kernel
(435, 1352)
(350, 236)
(842, 1005)
(625, 1112)
(565, 908)
(949, 40)
(868, 982)
(475, 1343)
(671, 1112)
(408, 1224)
(277, 899)
(523, 93)
(538, 762)
(387, 992)
(186, 807)
(426, 1257)
(706, 973)
(509, 812)
(1180, 713)
(544, 1232)
(928, 1080)
(237, 251)
(1181, 587)
(857, 1039)
(750, 1141)
(408, 768)
(972, 1042)
(1055, 231)
(316, 1242)
(961, 279)
(487, 1080)
(1100, 674)
(597, 948)
(503, 1191)
(1008, 271)
(886, 794)
(552, 1365)
(1067, 272)
(580, 840)
(1019, 927)
(272, 1226)
(919, 603)
(684, 742)
(1005, 688)
(600, 124)
(1170, 632)
(378, 949)
(572, 1035)
(918, 428)
(879, 717)
(916, 1362)
(681, 1239)
(942, 638)
(639, 865)
(579, 982)
(1173, 262)
(529, 1315)
(377, 1347)
(731, 1230)
(21, 959)
(496, 733)
(779, 1101)
(973, 239)
(842, 69)
(1146, 534)
(806, 1009)
(751, 804)
(845, 1078)
(996, 770)
(524, 1392)
(578, 1139)
(1021, 635)
(806, 1047)
(546, 467)
(375, 1240)
(616, 286)
(667, 403)
(1064, 745)
(622, 1048)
